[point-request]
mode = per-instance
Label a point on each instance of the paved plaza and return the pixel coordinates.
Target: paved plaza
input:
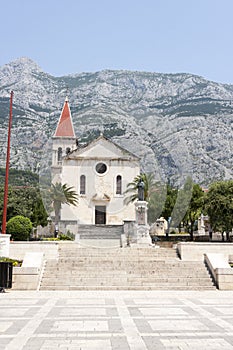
(118, 320)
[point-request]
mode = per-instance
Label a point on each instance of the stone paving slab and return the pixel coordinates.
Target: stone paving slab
(116, 320)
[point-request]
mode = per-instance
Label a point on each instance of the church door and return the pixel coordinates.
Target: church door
(100, 215)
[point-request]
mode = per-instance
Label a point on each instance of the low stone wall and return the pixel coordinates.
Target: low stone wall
(33, 254)
(27, 277)
(220, 269)
(194, 251)
(19, 249)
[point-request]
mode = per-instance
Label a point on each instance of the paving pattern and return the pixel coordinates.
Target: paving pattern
(118, 320)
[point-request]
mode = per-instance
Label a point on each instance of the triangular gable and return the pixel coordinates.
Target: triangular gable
(102, 147)
(65, 125)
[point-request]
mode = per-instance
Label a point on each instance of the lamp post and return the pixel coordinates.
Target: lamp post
(4, 238)
(7, 169)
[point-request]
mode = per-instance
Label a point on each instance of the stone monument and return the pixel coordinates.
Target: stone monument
(201, 224)
(142, 228)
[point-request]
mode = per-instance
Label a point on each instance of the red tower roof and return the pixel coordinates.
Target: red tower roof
(65, 125)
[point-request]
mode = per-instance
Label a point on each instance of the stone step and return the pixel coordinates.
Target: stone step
(128, 277)
(99, 237)
(158, 279)
(127, 287)
(100, 231)
(108, 269)
(132, 263)
(122, 264)
(135, 256)
(87, 254)
(72, 274)
(129, 269)
(168, 258)
(73, 247)
(128, 272)
(142, 268)
(76, 247)
(133, 281)
(115, 266)
(116, 254)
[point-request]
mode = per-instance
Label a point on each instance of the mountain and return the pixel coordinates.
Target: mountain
(179, 124)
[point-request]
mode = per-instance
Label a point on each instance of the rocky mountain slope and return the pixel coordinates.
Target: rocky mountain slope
(179, 124)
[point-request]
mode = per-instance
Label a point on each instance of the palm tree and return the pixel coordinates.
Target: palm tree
(154, 194)
(132, 187)
(62, 194)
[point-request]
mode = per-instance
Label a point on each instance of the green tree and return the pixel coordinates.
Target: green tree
(219, 206)
(62, 194)
(170, 201)
(19, 227)
(195, 208)
(39, 214)
(25, 201)
(169, 204)
(19, 177)
(176, 203)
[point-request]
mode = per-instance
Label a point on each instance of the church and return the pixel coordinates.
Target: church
(98, 171)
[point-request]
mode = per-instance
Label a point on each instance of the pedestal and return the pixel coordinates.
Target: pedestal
(142, 228)
(4, 245)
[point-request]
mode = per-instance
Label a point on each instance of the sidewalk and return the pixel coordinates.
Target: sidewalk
(118, 320)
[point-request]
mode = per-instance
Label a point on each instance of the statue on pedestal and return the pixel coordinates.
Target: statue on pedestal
(141, 226)
(141, 187)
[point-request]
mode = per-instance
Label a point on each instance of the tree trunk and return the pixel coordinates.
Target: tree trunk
(57, 210)
(191, 230)
(191, 233)
(168, 230)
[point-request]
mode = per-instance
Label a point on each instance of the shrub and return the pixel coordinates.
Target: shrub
(50, 239)
(68, 236)
(14, 262)
(19, 227)
(60, 237)
(63, 237)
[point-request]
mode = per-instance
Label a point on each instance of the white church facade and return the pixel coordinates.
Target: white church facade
(99, 172)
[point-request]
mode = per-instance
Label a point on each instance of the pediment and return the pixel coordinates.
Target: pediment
(104, 148)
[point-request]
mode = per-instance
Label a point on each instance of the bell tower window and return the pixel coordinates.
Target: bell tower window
(59, 154)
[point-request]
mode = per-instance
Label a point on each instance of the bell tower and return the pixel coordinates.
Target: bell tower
(63, 140)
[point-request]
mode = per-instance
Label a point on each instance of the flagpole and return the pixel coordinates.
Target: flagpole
(4, 215)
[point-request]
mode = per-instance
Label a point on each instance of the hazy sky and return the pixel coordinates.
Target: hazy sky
(169, 36)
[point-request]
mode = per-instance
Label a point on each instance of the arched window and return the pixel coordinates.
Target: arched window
(82, 184)
(59, 154)
(118, 184)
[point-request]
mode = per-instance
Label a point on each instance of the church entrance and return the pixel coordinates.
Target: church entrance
(100, 215)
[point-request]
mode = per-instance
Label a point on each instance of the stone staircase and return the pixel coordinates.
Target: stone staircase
(79, 268)
(100, 231)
